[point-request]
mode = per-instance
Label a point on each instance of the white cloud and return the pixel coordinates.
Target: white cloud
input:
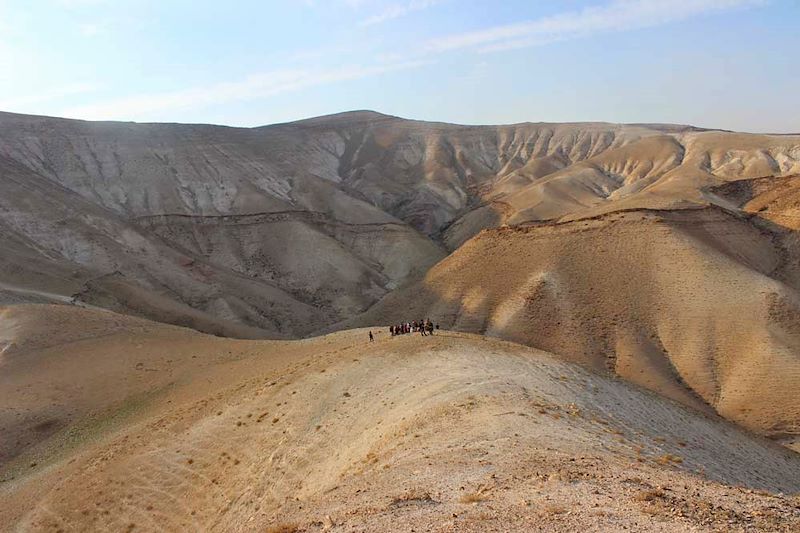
(394, 11)
(257, 86)
(618, 15)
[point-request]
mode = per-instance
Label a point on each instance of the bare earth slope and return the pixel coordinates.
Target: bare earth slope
(450, 433)
(699, 305)
(666, 255)
(278, 231)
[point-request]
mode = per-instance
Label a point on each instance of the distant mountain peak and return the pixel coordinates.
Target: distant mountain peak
(343, 118)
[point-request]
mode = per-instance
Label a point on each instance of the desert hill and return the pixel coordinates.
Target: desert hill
(700, 305)
(281, 230)
(143, 426)
(664, 255)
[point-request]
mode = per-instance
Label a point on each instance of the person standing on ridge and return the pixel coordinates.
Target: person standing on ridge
(371, 338)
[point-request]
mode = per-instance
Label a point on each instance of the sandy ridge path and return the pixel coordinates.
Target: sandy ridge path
(450, 433)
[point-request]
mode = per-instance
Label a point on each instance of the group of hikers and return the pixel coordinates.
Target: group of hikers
(424, 327)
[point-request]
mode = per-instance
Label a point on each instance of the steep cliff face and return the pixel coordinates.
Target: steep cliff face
(284, 229)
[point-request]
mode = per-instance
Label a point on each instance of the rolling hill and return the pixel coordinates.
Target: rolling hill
(144, 426)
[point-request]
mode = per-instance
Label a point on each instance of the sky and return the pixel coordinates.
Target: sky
(730, 64)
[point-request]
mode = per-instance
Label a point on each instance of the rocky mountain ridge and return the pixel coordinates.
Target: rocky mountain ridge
(280, 230)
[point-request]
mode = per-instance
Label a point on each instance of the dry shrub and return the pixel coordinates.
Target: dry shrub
(565, 476)
(653, 510)
(283, 528)
(371, 458)
(553, 509)
(472, 497)
(413, 496)
(648, 495)
(669, 459)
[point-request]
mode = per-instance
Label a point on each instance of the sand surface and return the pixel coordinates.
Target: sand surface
(165, 429)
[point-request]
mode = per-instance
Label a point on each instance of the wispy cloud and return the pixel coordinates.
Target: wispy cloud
(55, 93)
(257, 86)
(398, 10)
(618, 15)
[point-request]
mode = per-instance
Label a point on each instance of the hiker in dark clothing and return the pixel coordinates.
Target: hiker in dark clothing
(429, 327)
(371, 338)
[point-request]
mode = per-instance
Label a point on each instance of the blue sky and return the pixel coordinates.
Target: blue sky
(718, 63)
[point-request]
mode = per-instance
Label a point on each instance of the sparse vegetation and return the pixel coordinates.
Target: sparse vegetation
(283, 528)
(648, 495)
(411, 497)
(553, 509)
(472, 497)
(669, 459)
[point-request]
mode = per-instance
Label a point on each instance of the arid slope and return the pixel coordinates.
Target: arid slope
(448, 433)
(700, 305)
(280, 230)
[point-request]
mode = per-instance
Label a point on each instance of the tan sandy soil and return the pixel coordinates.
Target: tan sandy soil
(698, 305)
(164, 429)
